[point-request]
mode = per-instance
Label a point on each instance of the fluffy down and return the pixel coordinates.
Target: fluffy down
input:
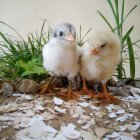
(60, 60)
(60, 56)
(99, 57)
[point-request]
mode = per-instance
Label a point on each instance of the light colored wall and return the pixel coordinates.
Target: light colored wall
(25, 15)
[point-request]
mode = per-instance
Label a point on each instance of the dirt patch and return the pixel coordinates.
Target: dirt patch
(19, 110)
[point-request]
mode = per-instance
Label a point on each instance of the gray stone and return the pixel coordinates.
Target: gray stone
(27, 86)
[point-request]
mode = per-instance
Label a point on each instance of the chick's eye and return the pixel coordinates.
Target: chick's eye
(103, 46)
(60, 33)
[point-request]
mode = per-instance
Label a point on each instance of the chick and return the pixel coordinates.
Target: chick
(98, 61)
(60, 57)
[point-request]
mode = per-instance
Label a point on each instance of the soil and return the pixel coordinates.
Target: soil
(100, 121)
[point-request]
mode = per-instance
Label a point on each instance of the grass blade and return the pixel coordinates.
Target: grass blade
(112, 8)
(12, 29)
(80, 33)
(85, 35)
(122, 20)
(7, 41)
(120, 74)
(137, 41)
(117, 17)
(107, 22)
(132, 9)
(131, 58)
(42, 28)
(122, 16)
(4, 38)
(127, 34)
(136, 45)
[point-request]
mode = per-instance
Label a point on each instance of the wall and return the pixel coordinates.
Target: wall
(26, 15)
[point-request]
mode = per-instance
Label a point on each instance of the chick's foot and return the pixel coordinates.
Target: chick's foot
(106, 95)
(85, 90)
(69, 95)
(73, 95)
(45, 88)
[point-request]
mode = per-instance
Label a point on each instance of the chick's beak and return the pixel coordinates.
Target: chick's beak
(70, 37)
(95, 52)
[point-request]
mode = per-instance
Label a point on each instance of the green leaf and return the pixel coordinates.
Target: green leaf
(31, 67)
(10, 45)
(42, 28)
(127, 34)
(131, 10)
(137, 41)
(35, 70)
(4, 38)
(105, 19)
(12, 29)
(112, 8)
(122, 16)
(120, 74)
(80, 39)
(123, 19)
(131, 57)
(117, 14)
(136, 45)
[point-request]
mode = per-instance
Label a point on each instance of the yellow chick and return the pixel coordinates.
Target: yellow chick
(98, 60)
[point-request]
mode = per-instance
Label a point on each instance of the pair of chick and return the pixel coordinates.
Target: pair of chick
(96, 60)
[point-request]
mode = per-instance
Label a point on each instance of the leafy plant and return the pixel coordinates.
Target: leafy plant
(23, 58)
(31, 67)
(128, 54)
(18, 55)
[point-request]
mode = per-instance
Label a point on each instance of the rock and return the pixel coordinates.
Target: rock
(125, 81)
(111, 83)
(137, 82)
(7, 88)
(27, 86)
(123, 91)
(129, 81)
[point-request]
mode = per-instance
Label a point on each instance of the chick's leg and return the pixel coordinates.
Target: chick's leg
(107, 96)
(85, 89)
(46, 87)
(71, 94)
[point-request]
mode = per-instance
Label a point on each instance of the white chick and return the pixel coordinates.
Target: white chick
(60, 57)
(98, 61)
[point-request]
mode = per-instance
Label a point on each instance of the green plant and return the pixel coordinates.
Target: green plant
(34, 66)
(19, 54)
(80, 38)
(23, 58)
(128, 54)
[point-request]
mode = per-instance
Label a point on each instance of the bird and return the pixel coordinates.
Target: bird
(98, 59)
(60, 57)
